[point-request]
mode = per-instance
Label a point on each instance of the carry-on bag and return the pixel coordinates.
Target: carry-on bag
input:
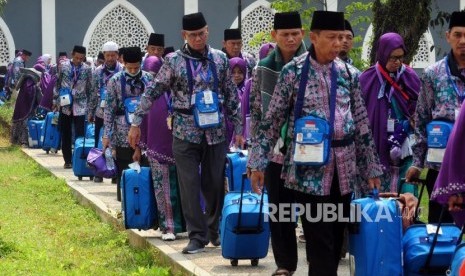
(244, 229)
(138, 199)
(50, 134)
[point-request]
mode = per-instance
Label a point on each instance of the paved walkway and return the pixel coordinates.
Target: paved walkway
(102, 198)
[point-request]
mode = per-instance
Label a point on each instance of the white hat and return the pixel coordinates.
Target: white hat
(110, 46)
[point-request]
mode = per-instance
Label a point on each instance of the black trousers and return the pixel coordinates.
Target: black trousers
(123, 159)
(324, 238)
(67, 122)
(210, 182)
(98, 128)
(283, 236)
(434, 208)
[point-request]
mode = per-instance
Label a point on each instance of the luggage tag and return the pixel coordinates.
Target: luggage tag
(431, 229)
(135, 166)
(103, 97)
(169, 121)
(391, 125)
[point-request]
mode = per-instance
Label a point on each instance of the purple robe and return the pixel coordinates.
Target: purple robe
(28, 98)
(451, 178)
(156, 138)
(47, 82)
(372, 84)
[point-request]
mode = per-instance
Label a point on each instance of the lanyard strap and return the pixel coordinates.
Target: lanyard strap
(392, 82)
(301, 93)
(168, 103)
(454, 85)
(123, 85)
(73, 76)
(190, 78)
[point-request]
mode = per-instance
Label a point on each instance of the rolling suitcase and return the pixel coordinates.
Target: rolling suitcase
(50, 135)
(458, 261)
(375, 240)
(34, 133)
(82, 147)
(138, 204)
(429, 248)
(236, 165)
(244, 229)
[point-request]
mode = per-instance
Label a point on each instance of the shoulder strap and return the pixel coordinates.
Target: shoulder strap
(190, 78)
(392, 82)
(303, 83)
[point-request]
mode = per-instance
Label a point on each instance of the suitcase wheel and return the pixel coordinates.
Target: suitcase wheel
(91, 178)
(254, 262)
(79, 177)
(234, 262)
(47, 151)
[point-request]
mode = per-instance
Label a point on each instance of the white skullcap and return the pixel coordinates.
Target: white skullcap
(110, 46)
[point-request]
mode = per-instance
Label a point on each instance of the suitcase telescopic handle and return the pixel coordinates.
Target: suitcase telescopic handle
(244, 230)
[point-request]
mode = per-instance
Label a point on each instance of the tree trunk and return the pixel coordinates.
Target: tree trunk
(408, 18)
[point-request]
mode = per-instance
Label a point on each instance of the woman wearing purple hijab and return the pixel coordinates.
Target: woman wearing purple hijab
(238, 70)
(47, 83)
(450, 184)
(156, 141)
(28, 98)
(390, 90)
(265, 50)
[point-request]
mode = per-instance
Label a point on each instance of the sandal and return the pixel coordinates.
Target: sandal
(281, 272)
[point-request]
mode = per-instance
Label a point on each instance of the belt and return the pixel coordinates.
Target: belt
(184, 111)
(342, 143)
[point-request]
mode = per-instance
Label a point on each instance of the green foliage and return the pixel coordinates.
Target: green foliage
(44, 231)
(409, 19)
(355, 12)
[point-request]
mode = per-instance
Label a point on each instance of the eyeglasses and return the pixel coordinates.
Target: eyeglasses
(396, 58)
(201, 34)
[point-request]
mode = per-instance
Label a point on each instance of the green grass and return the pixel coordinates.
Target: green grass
(44, 231)
(6, 112)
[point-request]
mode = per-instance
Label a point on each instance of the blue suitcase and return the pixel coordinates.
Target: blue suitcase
(244, 229)
(82, 146)
(236, 165)
(50, 135)
(138, 204)
(418, 242)
(34, 132)
(375, 245)
(458, 261)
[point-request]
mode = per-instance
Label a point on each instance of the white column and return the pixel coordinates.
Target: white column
(462, 5)
(48, 28)
(331, 5)
(191, 6)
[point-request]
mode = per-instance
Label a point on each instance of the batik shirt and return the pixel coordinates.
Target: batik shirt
(115, 124)
(437, 100)
(173, 76)
(100, 78)
(264, 80)
(250, 61)
(356, 159)
(79, 80)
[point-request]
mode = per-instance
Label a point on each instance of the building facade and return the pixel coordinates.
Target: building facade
(52, 26)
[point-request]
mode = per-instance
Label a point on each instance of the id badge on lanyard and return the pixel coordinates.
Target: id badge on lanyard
(103, 97)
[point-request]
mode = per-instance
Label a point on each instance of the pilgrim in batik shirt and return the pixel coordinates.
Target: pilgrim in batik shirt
(115, 124)
(359, 158)
(100, 78)
(79, 80)
(438, 100)
(173, 76)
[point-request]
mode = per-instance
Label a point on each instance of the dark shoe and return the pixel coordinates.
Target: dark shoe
(113, 180)
(98, 179)
(215, 240)
(68, 166)
(194, 246)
